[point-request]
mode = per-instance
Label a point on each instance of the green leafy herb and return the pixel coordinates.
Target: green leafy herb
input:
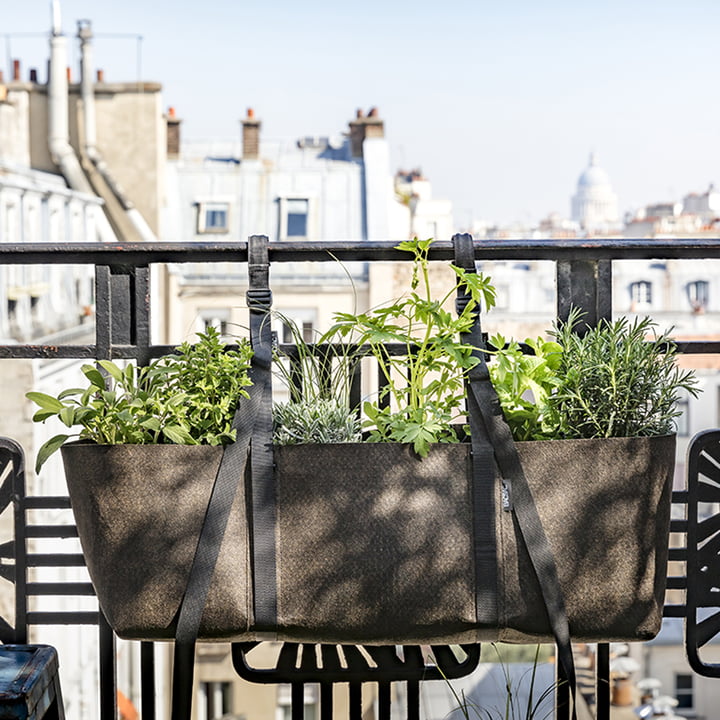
(423, 394)
(619, 379)
(525, 384)
(188, 399)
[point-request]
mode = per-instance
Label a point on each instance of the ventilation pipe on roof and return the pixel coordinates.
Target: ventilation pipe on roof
(61, 151)
(90, 149)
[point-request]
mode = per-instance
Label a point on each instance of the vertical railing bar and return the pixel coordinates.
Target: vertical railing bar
(147, 680)
(325, 367)
(413, 700)
(20, 548)
(296, 372)
(326, 701)
(602, 681)
(355, 701)
(122, 304)
(297, 701)
(383, 382)
(108, 671)
(384, 700)
(356, 386)
(103, 323)
(586, 285)
(140, 331)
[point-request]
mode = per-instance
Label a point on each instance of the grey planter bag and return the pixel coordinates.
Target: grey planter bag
(368, 544)
(375, 545)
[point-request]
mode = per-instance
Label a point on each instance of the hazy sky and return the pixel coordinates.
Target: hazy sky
(499, 103)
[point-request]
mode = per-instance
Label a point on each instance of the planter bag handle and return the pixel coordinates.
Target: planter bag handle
(488, 428)
(252, 419)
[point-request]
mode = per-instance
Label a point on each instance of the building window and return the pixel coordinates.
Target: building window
(218, 318)
(294, 218)
(310, 702)
(213, 217)
(304, 329)
(297, 217)
(214, 700)
(684, 691)
(640, 294)
(698, 293)
(296, 322)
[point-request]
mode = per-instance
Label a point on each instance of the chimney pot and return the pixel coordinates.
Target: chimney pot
(365, 127)
(358, 113)
(101, 76)
(33, 75)
(173, 134)
(69, 74)
(251, 136)
(16, 70)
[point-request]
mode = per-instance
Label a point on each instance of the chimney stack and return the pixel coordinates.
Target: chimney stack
(173, 134)
(251, 136)
(365, 126)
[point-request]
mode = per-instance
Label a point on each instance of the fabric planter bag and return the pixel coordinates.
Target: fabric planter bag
(374, 545)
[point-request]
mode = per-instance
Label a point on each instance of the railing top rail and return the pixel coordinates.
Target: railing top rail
(138, 253)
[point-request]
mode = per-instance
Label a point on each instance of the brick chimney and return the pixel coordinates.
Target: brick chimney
(251, 136)
(365, 126)
(173, 134)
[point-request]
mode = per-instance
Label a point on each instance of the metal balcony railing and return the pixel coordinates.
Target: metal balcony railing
(122, 331)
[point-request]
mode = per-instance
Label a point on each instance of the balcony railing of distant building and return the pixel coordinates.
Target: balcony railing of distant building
(122, 331)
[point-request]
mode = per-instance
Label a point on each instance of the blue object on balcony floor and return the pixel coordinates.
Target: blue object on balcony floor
(29, 683)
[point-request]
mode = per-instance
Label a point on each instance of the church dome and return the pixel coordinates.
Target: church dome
(593, 175)
(595, 205)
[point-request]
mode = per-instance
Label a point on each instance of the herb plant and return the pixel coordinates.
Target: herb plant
(619, 379)
(318, 379)
(423, 395)
(187, 399)
(525, 384)
(325, 420)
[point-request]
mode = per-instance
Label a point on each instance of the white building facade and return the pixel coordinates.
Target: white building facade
(337, 188)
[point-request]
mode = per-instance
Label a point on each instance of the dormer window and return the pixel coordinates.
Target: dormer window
(296, 218)
(213, 217)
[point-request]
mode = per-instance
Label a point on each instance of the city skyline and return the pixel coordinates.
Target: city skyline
(499, 106)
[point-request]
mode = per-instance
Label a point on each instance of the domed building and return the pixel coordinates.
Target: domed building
(595, 204)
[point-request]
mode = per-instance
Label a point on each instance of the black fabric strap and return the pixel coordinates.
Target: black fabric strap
(487, 419)
(229, 475)
(262, 490)
(523, 506)
(262, 468)
(483, 465)
(251, 420)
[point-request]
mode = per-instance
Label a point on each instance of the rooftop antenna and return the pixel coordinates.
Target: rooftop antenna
(56, 24)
